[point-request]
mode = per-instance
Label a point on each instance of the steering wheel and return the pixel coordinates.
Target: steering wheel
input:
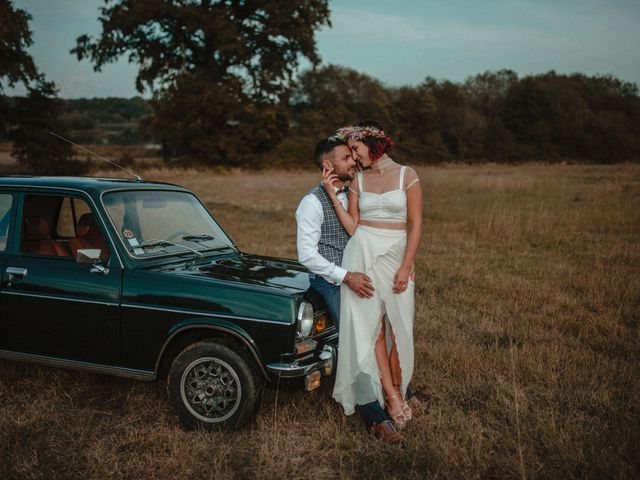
(177, 234)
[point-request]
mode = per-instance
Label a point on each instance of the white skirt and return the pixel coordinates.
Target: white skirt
(378, 252)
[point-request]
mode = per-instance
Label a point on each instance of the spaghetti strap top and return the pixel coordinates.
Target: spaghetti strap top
(389, 207)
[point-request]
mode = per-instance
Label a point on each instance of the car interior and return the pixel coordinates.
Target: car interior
(59, 226)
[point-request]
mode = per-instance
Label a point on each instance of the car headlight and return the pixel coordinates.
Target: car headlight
(305, 320)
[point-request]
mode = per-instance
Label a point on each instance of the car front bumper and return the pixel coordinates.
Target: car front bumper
(311, 368)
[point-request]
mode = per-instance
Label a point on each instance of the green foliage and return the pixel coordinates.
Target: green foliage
(211, 124)
(109, 109)
(105, 120)
(16, 65)
(493, 116)
(593, 118)
(218, 70)
(26, 121)
(33, 145)
(327, 98)
(257, 43)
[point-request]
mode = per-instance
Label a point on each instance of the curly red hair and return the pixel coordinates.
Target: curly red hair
(377, 146)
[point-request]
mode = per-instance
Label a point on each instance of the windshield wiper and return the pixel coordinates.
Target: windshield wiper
(205, 237)
(160, 243)
(201, 236)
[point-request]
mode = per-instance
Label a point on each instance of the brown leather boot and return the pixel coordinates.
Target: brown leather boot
(386, 432)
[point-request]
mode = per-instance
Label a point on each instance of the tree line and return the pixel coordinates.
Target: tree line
(225, 90)
(492, 116)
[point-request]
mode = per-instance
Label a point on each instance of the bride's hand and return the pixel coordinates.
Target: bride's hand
(401, 279)
(328, 177)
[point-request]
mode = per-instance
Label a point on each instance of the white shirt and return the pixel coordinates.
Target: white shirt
(309, 217)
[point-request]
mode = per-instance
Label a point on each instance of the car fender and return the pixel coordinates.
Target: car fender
(215, 325)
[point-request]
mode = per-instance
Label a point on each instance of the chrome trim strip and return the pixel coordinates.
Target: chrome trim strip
(77, 365)
(205, 314)
(210, 327)
(297, 368)
(146, 307)
(292, 370)
(52, 297)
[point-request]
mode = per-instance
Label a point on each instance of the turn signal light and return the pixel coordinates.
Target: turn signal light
(312, 380)
(320, 325)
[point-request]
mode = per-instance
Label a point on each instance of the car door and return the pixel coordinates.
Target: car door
(51, 305)
(7, 211)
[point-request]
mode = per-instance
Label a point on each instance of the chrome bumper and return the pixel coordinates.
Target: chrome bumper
(324, 362)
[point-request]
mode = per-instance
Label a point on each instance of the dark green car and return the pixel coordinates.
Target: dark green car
(137, 279)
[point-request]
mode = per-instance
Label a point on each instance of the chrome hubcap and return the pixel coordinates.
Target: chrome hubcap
(210, 389)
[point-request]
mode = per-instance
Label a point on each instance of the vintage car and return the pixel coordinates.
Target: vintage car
(137, 279)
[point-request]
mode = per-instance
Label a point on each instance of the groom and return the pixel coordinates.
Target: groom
(321, 240)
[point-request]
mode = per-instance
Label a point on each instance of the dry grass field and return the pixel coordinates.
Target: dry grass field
(527, 348)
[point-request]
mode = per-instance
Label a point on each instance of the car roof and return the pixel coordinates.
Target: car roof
(92, 185)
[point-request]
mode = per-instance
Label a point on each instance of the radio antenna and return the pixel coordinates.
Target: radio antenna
(95, 154)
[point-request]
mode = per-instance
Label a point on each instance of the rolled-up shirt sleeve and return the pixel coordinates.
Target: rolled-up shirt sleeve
(309, 218)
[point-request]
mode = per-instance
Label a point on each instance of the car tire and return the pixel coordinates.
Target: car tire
(211, 385)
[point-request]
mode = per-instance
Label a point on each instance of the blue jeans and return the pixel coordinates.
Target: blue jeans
(331, 295)
(371, 413)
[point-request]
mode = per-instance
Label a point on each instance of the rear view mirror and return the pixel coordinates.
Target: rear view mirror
(88, 255)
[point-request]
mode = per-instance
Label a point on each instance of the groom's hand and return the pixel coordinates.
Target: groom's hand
(359, 283)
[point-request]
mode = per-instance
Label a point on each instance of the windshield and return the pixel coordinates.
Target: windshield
(152, 223)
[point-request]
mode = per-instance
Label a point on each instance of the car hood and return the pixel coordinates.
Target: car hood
(271, 272)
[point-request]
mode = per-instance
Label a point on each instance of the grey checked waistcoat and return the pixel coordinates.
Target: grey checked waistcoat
(333, 236)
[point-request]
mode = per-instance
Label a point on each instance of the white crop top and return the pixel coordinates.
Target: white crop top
(389, 207)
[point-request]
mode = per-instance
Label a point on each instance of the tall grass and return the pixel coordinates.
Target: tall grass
(527, 340)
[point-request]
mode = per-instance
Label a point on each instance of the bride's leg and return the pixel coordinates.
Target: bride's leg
(394, 364)
(396, 375)
(395, 402)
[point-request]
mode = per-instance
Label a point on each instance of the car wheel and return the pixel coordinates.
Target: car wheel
(211, 385)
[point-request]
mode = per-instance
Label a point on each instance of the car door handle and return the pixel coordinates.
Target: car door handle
(16, 272)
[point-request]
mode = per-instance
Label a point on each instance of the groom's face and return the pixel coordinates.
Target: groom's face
(343, 164)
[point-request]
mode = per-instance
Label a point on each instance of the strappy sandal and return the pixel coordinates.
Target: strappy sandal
(415, 404)
(399, 417)
(406, 408)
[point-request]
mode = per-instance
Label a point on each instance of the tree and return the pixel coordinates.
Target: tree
(25, 121)
(214, 125)
(16, 65)
(33, 145)
(237, 57)
(328, 98)
(417, 127)
(462, 126)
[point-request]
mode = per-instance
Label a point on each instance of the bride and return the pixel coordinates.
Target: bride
(384, 218)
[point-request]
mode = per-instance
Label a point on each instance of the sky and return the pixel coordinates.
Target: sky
(400, 42)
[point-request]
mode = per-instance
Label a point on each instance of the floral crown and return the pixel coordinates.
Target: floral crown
(358, 133)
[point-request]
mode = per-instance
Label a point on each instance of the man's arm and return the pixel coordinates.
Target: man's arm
(309, 218)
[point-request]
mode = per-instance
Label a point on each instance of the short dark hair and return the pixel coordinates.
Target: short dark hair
(325, 146)
(377, 146)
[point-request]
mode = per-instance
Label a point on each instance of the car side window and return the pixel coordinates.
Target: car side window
(59, 226)
(6, 204)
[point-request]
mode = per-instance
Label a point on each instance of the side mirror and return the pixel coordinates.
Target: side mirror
(92, 257)
(88, 255)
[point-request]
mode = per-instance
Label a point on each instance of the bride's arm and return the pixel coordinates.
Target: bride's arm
(414, 232)
(348, 218)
